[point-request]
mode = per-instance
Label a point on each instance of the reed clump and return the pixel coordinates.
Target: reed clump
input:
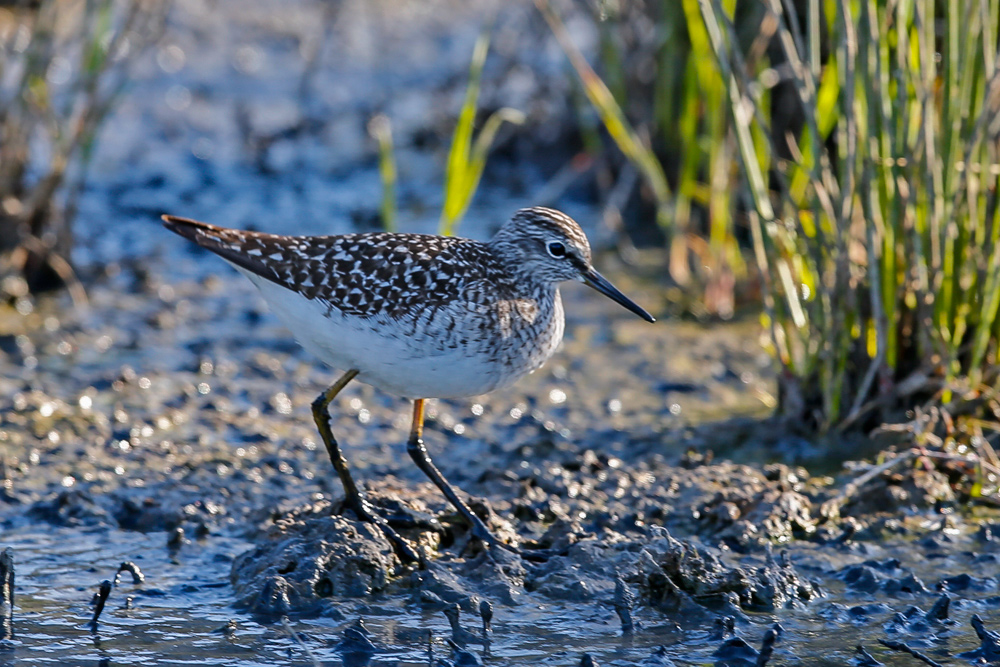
(848, 149)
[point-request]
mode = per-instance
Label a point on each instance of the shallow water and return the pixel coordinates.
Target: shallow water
(172, 618)
(178, 614)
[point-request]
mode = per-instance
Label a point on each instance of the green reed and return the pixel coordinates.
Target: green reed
(857, 144)
(380, 129)
(877, 241)
(467, 157)
(679, 125)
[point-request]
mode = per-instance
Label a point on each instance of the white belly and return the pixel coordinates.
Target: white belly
(391, 358)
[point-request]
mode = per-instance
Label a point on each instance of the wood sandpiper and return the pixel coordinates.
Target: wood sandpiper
(417, 315)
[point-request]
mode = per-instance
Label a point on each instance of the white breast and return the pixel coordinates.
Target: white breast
(394, 358)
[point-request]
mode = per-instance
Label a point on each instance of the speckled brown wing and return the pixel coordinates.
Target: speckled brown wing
(358, 274)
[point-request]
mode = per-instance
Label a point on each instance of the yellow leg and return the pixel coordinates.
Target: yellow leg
(353, 497)
(418, 452)
(321, 415)
(417, 425)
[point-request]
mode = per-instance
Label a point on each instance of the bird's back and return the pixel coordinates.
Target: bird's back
(418, 315)
(358, 274)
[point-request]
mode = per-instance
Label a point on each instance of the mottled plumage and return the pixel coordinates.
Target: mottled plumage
(417, 315)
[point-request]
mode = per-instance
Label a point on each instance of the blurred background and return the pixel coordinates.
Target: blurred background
(829, 166)
(805, 191)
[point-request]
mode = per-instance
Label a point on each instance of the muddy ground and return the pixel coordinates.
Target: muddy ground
(167, 424)
(196, 460)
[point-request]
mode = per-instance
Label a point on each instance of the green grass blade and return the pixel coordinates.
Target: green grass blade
(483, 143)
(457, 188)
(611, 114)
(380, 130)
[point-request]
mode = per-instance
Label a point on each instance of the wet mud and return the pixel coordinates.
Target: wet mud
(158, 442)
(159, 457)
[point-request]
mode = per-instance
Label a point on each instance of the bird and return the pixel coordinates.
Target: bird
(418, 316)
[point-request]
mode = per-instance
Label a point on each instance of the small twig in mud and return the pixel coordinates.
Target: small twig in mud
(460, 635)
(430, 648)
(981, 460)
(298, 640)
(7, 594)
(131, 568)
(990, 640)
(623, 605)
(100, 599)
(854, 486)
(486, 613)
(866, 659)
(900, 646)
(945, 428)
(767, 645)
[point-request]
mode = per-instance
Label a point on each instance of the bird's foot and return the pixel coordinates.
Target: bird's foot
(367, 512)
(481, 533)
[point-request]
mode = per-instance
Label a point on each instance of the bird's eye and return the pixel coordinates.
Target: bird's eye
(557, 249)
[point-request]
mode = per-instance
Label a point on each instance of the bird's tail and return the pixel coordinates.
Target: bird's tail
(204, 234)
(257, 252)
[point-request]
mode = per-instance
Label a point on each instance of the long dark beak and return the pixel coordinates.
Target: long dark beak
(594, 279)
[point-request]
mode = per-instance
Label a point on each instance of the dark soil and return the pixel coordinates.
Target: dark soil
(167, 424)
